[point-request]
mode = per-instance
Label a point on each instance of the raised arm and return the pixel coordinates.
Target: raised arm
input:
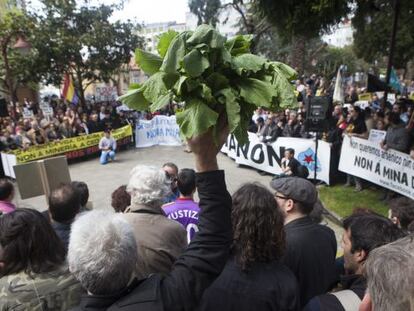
(207, 254)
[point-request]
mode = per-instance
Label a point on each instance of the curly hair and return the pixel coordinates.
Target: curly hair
(257, 226)
(121, 199)
(148, 185)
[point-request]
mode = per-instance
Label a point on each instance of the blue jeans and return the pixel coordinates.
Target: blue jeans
(106, 155)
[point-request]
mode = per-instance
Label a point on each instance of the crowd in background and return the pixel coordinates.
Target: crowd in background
(27, 125)
(353, 117)
(161, 250)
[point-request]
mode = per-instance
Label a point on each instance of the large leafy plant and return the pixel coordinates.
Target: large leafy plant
(211, 76)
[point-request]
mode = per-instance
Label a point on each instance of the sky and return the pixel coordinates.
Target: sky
(153, 11)
(144, 11)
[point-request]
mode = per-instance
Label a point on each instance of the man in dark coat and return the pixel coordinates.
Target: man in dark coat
(105, 269)
(363, 233)
(311, 247)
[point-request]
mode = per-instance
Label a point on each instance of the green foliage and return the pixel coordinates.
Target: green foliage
(82, 41)
(330, 58)
(213, 76)
(151, 63)
(303, 17)
(343, 201)
(207, 11)
(373, 25)
(165, 40)
(15, 68)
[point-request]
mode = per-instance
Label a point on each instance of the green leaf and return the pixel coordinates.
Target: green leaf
(178, 87)
(286, 70)
(192, 84)
(239, 45)
(134, 86)
(148, 62)
(135, 99)
(206, 94)
(232, 108)
(175, 54)
(195, 64)
(196, 118)
(216, 81)
(249, 62)
(208, 35)
(164, 42)
(257, 92)
(155, 87)
(285, 95)
(161, 102)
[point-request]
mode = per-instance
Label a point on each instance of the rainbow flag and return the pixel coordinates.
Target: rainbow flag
(69, 92)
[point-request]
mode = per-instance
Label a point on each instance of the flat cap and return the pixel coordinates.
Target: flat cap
(296, 188)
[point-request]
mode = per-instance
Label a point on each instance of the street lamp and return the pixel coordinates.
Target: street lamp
(22, 46)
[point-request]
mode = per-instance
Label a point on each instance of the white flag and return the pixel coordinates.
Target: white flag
(338, 95)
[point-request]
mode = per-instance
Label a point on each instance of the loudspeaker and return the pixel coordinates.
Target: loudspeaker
(316, 114)
(3, 108)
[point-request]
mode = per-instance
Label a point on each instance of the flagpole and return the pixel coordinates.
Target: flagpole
(396, 8)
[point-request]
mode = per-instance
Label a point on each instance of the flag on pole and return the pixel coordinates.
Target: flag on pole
(338, 95)
(394, 81)
(69, 92)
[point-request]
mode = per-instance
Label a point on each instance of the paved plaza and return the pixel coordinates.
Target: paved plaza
(104, 179)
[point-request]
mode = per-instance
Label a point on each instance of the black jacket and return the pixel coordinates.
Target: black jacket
(310, 254)
(194, 271)
(328, 302)
(265, 287)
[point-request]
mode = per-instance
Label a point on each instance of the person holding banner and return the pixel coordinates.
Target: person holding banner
(356, 128)
(107, 145)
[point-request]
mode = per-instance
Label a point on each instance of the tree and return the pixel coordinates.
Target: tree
(297, 21)
(207, 11)
(16, 69)
(83, 42)
(373, 25)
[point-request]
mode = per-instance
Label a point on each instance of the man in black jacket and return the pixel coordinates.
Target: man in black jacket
(193, 272)
(311, 247)
(363, 233)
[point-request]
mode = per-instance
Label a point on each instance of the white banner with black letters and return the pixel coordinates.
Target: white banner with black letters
(161, 130)
(267, 157)
(390, 169)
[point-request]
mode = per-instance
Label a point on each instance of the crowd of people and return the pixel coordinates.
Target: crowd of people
(27, 125)
(351, 117)
(160, 250)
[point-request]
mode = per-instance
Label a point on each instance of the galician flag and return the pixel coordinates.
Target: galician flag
(69, 92)
(394, 81)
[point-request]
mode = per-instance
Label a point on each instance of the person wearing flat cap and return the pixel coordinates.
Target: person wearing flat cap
(310, 247)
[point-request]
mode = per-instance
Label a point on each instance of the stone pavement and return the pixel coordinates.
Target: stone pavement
(104, 179)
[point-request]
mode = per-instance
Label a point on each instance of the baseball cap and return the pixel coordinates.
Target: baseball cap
(296, 188)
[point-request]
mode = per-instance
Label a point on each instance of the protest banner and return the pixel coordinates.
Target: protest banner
(74, 147)
(390, 169)
(267, 157)
(106, 93)
(161, 130)
(365, 96)
(376, 136)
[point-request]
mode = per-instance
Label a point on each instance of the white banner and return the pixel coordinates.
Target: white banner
(161, 130)
(8, 161)
(376, 136)
(268, 157)
(390, 169)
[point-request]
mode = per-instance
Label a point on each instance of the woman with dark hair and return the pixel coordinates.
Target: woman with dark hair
(254, 277)
(33, 272)
(121, 199)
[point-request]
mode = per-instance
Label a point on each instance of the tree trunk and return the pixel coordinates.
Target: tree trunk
(80, 89)
(297, 56)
